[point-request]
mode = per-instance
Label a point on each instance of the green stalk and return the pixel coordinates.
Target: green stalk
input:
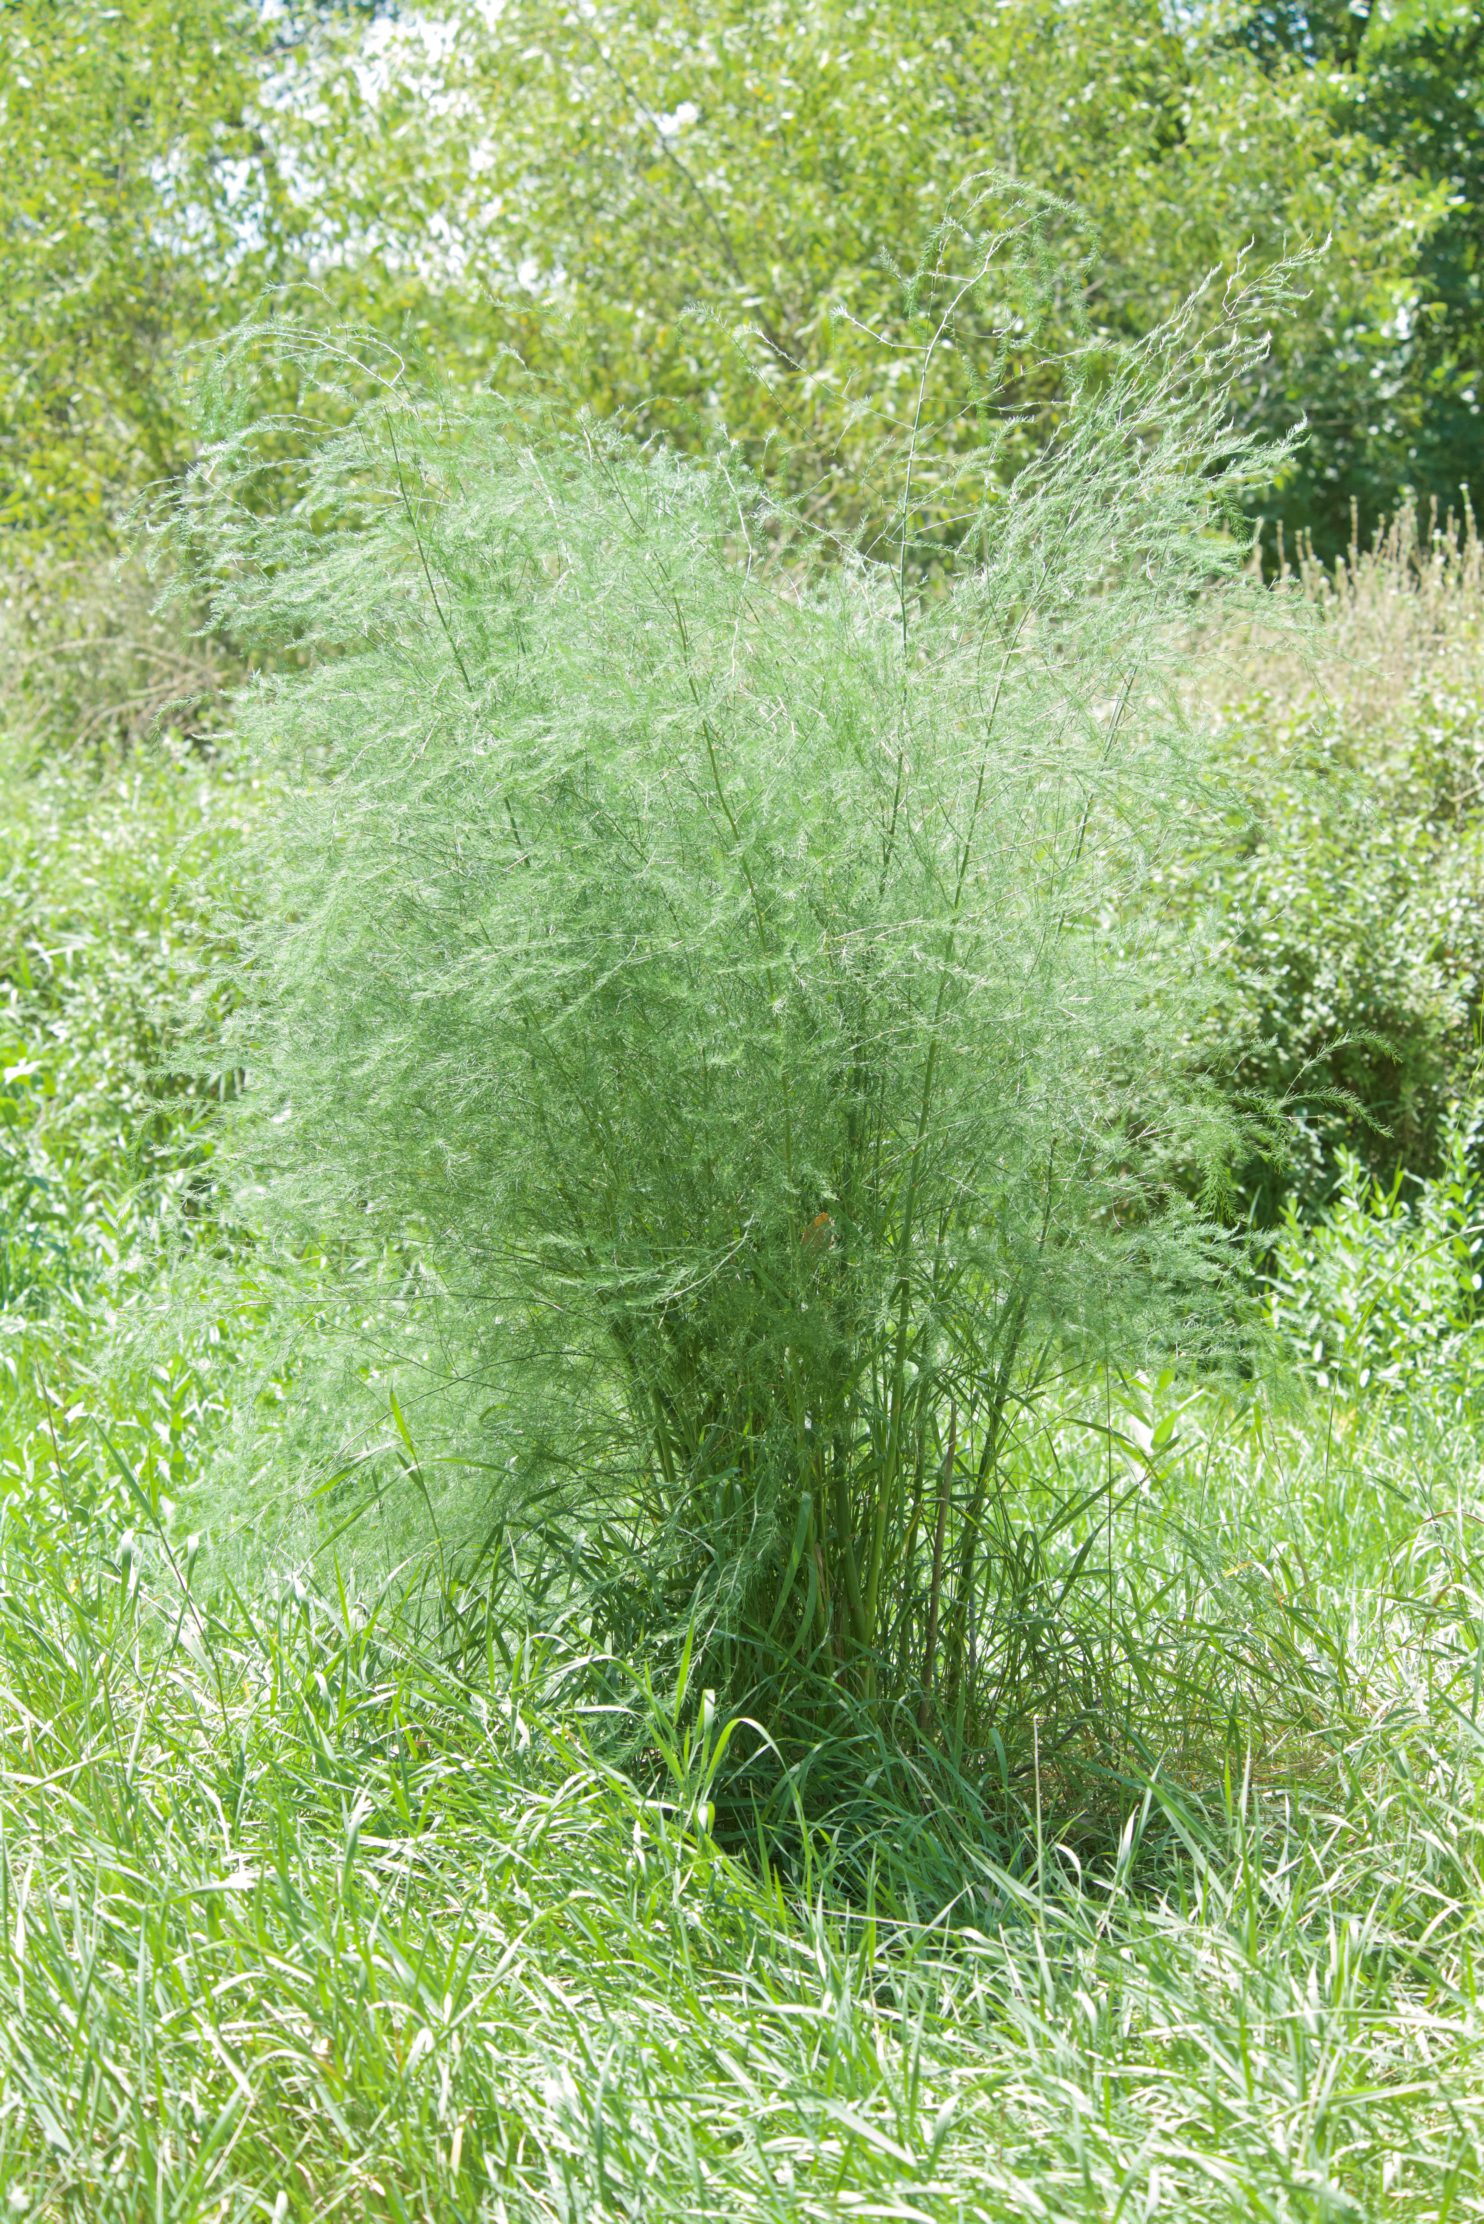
(887, 1481)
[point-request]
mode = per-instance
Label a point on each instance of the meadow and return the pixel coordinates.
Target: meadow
(741, 1154)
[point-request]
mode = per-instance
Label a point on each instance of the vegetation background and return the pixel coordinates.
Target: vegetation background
(975, 1712)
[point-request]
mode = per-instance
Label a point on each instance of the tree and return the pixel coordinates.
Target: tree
(700, 216)
(1408, 76)
(138, 208)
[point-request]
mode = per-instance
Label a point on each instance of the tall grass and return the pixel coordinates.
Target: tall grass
(723, 972)
(298, 1920)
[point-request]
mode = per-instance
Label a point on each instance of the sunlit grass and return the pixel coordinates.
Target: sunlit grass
(302, 1914)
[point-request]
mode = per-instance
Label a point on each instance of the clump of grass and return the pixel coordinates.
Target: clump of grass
(723, 973)
(1403, 604)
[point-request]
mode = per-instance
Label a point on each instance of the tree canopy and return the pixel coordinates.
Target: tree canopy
(706, 219)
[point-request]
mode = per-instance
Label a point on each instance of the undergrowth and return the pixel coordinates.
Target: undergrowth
(304, 1916)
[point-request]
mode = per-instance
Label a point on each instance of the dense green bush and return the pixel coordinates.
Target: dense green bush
(1382, 1291)
(103, 934)
(1348, 913)
(725, 974)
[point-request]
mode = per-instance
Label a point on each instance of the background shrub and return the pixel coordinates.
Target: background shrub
(1348, 911)
(1381, 1293)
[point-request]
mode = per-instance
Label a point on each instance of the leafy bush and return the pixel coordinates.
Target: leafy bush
(102, 934)
(1382, 1292)
(725, 974)
(92, 660)
(1348, 913)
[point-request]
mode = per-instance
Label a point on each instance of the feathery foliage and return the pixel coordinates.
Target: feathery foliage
(723, 970)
